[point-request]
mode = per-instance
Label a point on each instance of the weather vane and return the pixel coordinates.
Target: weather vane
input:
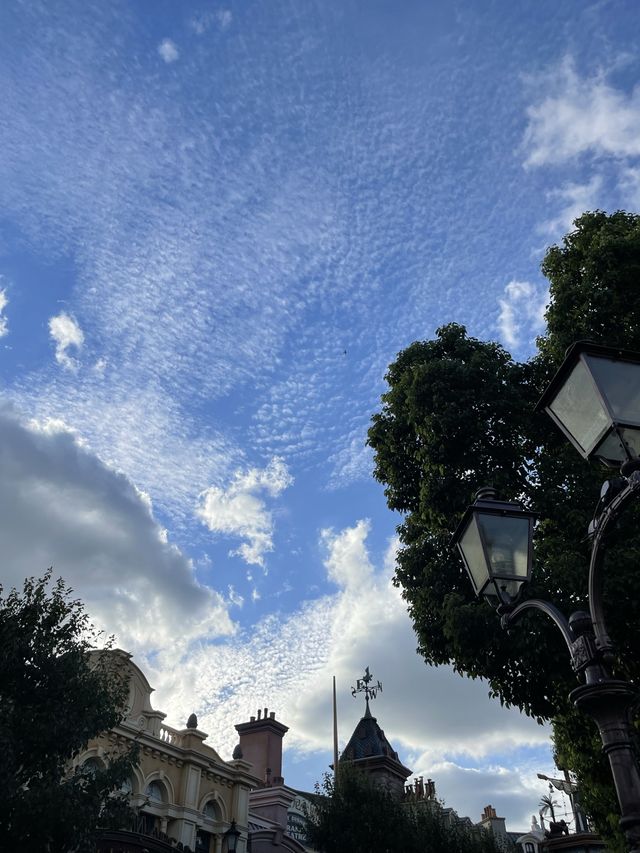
(364, 685)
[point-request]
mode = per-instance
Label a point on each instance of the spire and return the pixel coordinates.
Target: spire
(368, 748)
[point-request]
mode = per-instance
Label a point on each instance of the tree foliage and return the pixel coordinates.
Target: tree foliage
(360, 816)
(53, 699)
(458, 415)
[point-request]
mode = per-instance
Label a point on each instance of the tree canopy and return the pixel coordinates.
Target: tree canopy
(459, 415)
(54, 698)
(359, 815)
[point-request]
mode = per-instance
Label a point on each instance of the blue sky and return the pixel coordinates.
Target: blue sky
(218, 225)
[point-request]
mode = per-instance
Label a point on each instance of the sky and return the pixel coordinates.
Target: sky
(219, 223)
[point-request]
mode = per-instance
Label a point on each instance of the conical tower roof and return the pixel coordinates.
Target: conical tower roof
(368, 748)
(367, 741)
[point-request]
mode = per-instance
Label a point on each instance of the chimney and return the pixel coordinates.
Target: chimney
(261, 745)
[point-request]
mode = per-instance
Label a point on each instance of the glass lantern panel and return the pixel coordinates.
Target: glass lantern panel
(619, 383)
(579, 408)
(508, 590)
(507, 542)
(473, 554)
(612, 452)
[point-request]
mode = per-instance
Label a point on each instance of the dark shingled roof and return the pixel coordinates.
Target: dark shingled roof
(367, 741)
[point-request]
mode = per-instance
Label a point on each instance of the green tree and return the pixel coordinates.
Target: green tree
(53, 699)
(458, 415)
(360, 816)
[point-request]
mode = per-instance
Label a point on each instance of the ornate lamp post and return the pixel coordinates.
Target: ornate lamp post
(595, 400)
(231, 837)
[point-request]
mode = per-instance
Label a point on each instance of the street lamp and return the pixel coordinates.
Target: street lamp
(495, 541)
(231, 837)
(595, 400)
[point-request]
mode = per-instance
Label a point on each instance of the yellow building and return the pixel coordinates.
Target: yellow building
(186, 795)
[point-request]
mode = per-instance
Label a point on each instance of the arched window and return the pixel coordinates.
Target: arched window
(92, 766)
(155, 793)
(212, 810)
(529, 848)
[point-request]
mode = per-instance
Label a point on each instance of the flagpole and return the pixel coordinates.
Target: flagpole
(335, 734)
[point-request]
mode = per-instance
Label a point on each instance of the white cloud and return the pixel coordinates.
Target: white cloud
(4, 323)
(224, 18)
(202, 22)
(579, 115)
(168, 50)
(239, 511)
(629, 184)
(347, 560)
(286, 663)
(522, 311)
(67, 334)
(234, 596)
(63, 507)
(514, 790)
(576, 198)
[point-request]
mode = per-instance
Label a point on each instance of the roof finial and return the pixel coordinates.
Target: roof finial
(363, 685)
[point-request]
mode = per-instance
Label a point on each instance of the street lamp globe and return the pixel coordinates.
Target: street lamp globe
(495, 539)
(595, 400)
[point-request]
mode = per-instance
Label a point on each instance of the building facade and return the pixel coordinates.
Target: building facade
(184, 793)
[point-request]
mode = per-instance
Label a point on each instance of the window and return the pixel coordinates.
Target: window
(212, 810)
(147, 823)
(155, 793)
(529, 848)
(92, 765)
(203, 841)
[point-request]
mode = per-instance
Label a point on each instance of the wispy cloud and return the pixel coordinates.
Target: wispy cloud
(225, 17)
(202, 22)
(239, 511)
(575, 199)
(522, 312)
(67, 335)
(581, 114)
(4, 322)
(168, 50)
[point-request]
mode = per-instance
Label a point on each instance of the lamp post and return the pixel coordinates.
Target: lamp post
(595, 400)
(231, 837)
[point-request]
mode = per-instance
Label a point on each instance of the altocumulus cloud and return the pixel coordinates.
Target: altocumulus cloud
(67, 334)
(63, 507)
(4, 323)
(286, 662)
(239, 511)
